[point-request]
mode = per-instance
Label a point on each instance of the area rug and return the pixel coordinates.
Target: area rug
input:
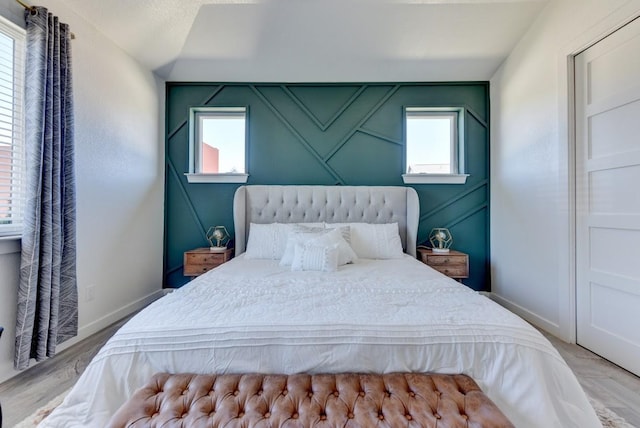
(38, 416)
(608, 418)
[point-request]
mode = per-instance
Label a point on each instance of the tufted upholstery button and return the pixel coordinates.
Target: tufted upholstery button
(472, 409)
(184, 392)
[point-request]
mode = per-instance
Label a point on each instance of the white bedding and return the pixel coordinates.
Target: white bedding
(372, 316)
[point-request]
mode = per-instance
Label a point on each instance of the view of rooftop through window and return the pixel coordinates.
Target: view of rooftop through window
(223, 142)
(430, 140)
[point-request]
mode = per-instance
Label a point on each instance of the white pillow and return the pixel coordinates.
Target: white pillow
(268, 240)
(310, 256)
(336, 236)
(374, 241)
(316, 236)
(299, 234)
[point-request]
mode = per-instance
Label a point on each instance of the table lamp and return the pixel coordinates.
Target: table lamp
(218, 238)
(440, 239)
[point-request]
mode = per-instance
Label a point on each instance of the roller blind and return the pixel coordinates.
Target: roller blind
(12, 165)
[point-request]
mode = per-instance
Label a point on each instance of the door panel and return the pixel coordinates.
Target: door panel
(612, 191)
(608, 197)
(607, 133)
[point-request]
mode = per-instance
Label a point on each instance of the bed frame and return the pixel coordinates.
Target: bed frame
(330, 204)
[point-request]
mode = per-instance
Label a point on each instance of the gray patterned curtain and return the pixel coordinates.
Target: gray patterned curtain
(47, 295)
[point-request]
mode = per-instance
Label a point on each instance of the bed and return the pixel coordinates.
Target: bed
(392, 314)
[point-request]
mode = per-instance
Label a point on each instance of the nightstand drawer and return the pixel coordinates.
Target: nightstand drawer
(204, 259)
(452, 271)
(195, 270)
(446, 260)
(201, 260)
(454, 264)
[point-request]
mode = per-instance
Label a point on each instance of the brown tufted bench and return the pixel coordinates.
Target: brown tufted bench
(323, 400)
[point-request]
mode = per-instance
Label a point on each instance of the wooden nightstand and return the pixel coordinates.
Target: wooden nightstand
(201, 260)
(454, 264)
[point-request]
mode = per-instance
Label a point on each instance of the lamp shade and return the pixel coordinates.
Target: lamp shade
(440, 239)
(218, 238)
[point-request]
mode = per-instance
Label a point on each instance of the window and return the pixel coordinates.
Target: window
(11, 127)
(217, 144)
(433, 144)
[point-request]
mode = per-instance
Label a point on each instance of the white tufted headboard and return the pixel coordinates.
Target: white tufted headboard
(331, 204)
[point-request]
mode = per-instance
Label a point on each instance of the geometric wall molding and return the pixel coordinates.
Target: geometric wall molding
(329, 134)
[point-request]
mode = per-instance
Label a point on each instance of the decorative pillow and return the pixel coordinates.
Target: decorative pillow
(374, 241)
(346, 254)
(268, 241)
(309, 256)
(298, 234)
(317, 236)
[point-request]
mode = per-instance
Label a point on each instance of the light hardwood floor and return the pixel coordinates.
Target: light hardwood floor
(23, 394)
(614, 387)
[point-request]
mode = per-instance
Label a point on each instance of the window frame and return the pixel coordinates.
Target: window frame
(16, 130)
(457, 176)
(196, 115)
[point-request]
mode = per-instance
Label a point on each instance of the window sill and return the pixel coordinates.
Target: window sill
(10, 244)
(434, 178)
(217, 178)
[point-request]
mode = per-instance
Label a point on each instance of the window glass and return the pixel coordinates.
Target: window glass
(218, 140)
(11, 128)
(431, 141)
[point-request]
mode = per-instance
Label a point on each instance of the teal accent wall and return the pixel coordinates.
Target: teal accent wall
(329, 134)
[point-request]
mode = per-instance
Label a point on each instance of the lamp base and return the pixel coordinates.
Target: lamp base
(440, 250)
(217, 249)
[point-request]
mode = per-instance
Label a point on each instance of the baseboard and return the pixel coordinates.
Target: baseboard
(6, 368)
(107, 320)
(528, 315)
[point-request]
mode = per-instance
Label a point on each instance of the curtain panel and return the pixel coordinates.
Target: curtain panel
(47, 294)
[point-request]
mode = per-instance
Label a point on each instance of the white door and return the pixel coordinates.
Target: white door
(608, 197)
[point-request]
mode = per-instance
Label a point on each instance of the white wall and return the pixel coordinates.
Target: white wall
(119, 165)
(531, 162)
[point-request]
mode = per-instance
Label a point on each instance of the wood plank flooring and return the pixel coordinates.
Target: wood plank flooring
(614, 387)
(23, 394)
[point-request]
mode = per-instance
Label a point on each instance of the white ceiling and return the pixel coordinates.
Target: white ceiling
(314, 40)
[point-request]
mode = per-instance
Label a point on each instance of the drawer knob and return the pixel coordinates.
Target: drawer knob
(446, 260)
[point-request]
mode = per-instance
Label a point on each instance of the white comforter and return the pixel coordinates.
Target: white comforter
(372, 316)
